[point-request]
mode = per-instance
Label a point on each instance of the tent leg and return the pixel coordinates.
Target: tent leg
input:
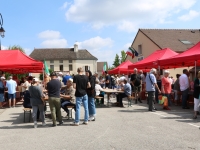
(195, 69)
(43, 75)
(159, 69)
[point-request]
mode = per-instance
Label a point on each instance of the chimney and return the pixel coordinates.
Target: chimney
(76, 47)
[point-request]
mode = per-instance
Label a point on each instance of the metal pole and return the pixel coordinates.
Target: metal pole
(195, 69)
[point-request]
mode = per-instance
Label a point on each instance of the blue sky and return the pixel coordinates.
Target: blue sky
(103, 27)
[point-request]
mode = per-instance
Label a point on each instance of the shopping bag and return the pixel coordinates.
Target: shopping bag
(160, 99)
(165, 100)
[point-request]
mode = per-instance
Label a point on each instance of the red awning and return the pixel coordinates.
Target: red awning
(14, 61)
(152, 61)
(185, 59)
(123, 69)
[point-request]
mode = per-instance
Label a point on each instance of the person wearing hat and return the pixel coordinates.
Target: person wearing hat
(68, 99)
(66, 78)
(11, 86)
(53, 88)
(36, 99)
(2, 88)
(60, 76)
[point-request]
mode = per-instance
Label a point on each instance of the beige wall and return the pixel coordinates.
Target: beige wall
(148, 46)
(75, 63)
(83, 63)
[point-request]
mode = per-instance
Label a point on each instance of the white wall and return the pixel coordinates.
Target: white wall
(83, 63)
(75, 63)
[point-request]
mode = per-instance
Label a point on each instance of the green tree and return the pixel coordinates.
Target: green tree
(116, 61)
(14, 47)
(123, 56)
(110, 68)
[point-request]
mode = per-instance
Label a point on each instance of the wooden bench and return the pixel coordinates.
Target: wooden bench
(98, 100)
(70, 111)
(29, 111)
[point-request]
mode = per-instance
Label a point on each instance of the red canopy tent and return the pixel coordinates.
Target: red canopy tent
(191, 57)
(123, 68)
(15, 61)
(152, 61)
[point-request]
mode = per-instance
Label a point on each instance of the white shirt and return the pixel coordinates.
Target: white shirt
(170, 79)
(184, 82)
(27, 85)
(98, 89)
(11, 85)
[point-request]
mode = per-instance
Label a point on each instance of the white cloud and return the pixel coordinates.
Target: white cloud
(126, 15)
(49, 34)
(28, 51)
(126, 46)
(96, 43)
(128, 26)
(64, 6)
(99, 47)
(191, 15)
(54, 43)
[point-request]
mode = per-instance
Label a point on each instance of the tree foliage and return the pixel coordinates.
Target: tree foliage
(123, 56)
(116, 61)
(110, 68)
(16, 47)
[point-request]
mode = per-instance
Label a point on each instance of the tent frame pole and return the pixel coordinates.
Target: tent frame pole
(195, 69)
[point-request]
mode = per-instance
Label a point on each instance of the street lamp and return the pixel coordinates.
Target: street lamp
(1, 29)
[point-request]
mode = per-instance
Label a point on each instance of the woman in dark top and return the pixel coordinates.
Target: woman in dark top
(196, 95)
(158, 79)
(91, 95)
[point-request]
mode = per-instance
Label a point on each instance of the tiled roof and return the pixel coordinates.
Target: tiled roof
(61, 54)
(170, 38)
(100, 66)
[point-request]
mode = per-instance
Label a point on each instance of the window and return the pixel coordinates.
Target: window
(87, 68)
(70, 68)
(61, 61)
(70, 61)
(52, 67)
(185, 42)
(61, 67)
(140, 58)
(51, 61)
(140, 49)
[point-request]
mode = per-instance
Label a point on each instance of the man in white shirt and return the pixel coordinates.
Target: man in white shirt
(184, 87)
(11, 86)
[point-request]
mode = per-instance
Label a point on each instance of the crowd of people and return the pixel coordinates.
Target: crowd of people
(81, 89)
